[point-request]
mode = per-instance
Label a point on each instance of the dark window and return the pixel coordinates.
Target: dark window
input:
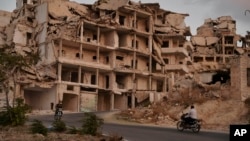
(28, 37)
(119, 58)
(166, 61)
(94, 37)
(122, 20)
(94, 57)
(107, 81)
(165, 44)
(93, 79)
(74, 76)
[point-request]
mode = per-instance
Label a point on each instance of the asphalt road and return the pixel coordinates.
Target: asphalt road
(138, 132)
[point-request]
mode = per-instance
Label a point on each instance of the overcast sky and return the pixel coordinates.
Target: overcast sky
(198, 10)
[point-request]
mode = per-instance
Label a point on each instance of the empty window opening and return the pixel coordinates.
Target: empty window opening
(94, 57)
(120, 80)
(146, 42)
(28, 37)
(88, 89)
(107, 81)
(221, 76)
(93, 79)
(165, 44)
(119, 58)
(159, 86)
(198, 59)
(166, 61)
(30, 19)
(210, 59)
(74, 76)
(229, 40)
(94, 37)
(122, 20)
(88, 39)
(70, 88)
(107, 59)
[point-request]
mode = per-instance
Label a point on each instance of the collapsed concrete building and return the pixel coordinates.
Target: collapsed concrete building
(114, 54)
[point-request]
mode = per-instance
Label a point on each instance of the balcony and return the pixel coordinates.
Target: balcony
(179, 67)
(177, 50)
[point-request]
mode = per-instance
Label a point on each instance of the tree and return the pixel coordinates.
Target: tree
(11, 64)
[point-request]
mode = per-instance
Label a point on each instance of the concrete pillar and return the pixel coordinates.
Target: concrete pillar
(81, 34)
(60, 48)
(98, 48)
(223, 49)
(59, 72)
(112, 101)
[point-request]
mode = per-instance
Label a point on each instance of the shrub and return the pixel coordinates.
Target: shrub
(15, 115)
(59, 126)
(91, 124)
(38, 127)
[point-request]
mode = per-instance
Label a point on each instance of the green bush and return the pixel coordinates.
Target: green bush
(90, 124)
(59, 126)
(16, 115)
(38, 127)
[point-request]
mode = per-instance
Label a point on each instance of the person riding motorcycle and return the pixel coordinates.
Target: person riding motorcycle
(191, 115)
(59, 111)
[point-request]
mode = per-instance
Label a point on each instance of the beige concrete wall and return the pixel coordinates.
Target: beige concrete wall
(20, 37)
(127, 58)
(142, 83)
(142, 64)
(88, 56)
(142, 24)
(88, 102)
(120, 102)
(244, 64)
(142, 44)
(125, 40)
(109, 39)
(40, 100)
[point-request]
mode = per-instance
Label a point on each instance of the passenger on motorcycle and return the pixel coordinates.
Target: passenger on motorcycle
(191, 115)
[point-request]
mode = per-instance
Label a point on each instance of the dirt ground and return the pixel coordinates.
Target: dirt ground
(215, 114)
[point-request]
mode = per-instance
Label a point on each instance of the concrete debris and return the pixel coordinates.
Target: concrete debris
(110, 4)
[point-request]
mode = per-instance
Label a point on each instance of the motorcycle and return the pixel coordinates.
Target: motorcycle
(58, 114)
(195, 125)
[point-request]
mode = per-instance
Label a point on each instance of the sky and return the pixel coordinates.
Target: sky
(198, 10)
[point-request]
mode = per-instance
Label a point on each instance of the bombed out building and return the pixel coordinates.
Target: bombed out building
(113, 54)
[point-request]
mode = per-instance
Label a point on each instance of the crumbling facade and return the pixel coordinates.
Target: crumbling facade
(113, 54)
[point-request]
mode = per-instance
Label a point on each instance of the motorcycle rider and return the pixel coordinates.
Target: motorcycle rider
(58, 108)
(191, 116)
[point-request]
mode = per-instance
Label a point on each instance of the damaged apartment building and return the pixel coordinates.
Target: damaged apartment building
(113, 54)
(97, 57)
(221, 55)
